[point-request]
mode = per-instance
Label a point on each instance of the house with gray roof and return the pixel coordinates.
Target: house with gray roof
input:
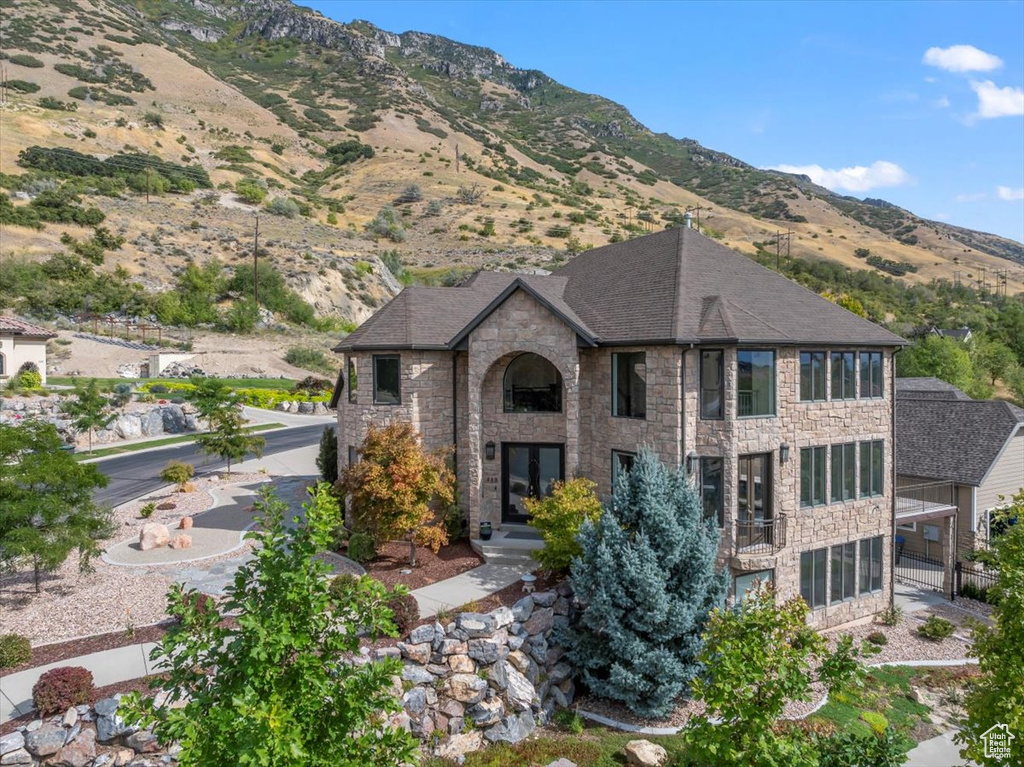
(967, 453)
(777, 402)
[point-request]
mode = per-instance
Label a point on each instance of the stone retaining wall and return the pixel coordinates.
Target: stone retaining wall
(485, 678)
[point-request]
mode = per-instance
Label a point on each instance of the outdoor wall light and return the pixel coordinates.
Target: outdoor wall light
(692, 460)
(489, 451)
(784, 452)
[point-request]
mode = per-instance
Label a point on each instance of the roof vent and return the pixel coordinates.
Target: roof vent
(688, 220)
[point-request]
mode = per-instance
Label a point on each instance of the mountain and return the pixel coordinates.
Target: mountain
(483, 163)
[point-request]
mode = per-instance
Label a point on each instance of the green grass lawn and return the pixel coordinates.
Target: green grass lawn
(234, 383)
(104, 452)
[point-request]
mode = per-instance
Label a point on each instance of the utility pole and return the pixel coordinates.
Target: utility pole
(255, 266)
(3, 85)
(456, 158)
(147, 185)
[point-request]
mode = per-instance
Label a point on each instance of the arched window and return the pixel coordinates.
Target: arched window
(532, 385)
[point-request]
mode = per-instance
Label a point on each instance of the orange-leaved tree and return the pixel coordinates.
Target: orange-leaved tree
(396, 486)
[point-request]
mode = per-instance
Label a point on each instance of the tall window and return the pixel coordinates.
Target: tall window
(712, 384)
(844, 472)
(353, 380)
(812, 577)
(3, 369)
(622, 463)
(353, 455)
(844, 572)
(754, 501)
(871, 565)
(629, 385)
(871, 374)
(871, 468)
(812, 476)
(387, 379)
(712, 489)
(812, 376)
(532, 385)
(844, 378)
(755, 382)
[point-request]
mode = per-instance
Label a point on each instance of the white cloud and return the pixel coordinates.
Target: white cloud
(973, 197)
(858, 178)
(994, 101)
(931, 79)
(1009, 193)
(941, 103)
(961, 58)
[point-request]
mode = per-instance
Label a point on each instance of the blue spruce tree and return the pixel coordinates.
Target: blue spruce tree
(646, 580)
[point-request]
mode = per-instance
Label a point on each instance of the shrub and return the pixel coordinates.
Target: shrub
(558, 519)
(308, 358)
(24, 60)
(147, 510)
(153, 120)
(343, 587)
(178, 473)
(361, 548)
(48, 102)
(569, 720)
(250, 191)
(878, 638)
(878, 749)
(283, 206)
(314, 384)
(469, 195)
(387, 224)
(405, 611)
(891, 616)
(28, 377)
(61, 688)
(410, 194)
(936, 628)
(22, 86)
(121, 395)
(14, 650)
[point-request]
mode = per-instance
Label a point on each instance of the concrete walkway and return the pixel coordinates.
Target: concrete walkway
(468, 587)
(939, 751)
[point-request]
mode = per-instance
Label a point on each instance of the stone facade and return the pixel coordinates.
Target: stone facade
(672, 427)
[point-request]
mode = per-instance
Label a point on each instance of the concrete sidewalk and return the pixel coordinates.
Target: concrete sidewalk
(939, 751)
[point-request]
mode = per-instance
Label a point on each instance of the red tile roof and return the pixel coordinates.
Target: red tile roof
(16, 327)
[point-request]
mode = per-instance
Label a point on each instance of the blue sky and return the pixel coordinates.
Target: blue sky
(918, 103)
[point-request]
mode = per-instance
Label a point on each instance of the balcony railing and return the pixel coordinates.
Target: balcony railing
(755, 537)
(922, 500)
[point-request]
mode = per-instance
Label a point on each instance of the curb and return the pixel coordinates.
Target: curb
(627, 727)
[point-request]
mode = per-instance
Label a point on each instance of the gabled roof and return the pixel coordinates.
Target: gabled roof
(952, 438)
(676, 286)
(15, 327)
(928, 388)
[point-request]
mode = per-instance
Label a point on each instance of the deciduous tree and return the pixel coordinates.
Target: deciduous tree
(89, 410)
(46, 500)
(278, 686)
(394, 487)
(558, 518)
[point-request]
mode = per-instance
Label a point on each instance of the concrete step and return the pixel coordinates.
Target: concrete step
(501, 549)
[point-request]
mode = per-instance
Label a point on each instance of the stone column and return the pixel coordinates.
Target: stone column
(474, 488)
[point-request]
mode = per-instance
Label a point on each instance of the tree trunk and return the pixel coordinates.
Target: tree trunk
(90, 439)
(35, 572)
(412, 552)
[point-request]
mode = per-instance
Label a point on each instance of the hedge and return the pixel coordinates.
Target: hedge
(267, 399)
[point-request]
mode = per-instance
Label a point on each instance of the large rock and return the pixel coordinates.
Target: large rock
(417, 674)
(45, 741)
(420, 653)
(108, 724)
(422, 634)
(11, 742)
(544, 598)
(18, 756)
(466, 688)
(415, 700)
(512, 729)
(476, 625)
(502, 617)
(521, 693)
(521, 610)
(173, 418)
(78, 753)
(461, 664)
(487, 650)
(152, 423)
(459, 745)
(643, 753)
(487, 712)
(541, 621)
(181, 541)
(153, 536)
(128, 426)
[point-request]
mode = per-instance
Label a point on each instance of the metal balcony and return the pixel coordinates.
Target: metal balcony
(927, 500)
(758, 537)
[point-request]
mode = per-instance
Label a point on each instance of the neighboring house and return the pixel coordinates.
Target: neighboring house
(21, 342)
(776, 400)
(962, 334)
(957, 452)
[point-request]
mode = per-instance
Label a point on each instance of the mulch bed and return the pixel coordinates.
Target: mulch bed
(453, 559)
(53, 653)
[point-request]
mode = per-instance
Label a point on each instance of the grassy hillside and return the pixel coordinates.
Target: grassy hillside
(354, 143)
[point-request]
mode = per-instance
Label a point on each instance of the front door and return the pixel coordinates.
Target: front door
(528, 471)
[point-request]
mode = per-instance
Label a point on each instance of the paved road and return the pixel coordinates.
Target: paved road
(134, 474)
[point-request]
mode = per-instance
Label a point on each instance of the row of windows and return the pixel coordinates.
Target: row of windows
(836, 373)
(814, 472)
(847, 580)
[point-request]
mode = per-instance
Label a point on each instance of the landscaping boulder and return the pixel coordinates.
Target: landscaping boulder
(643, 753)
(185, 523)
(466, 688)
(79, 752)
(512, 729)
(108, 724)
(12, 742)
(181, 542)
(18, 756)
(461, 744)
(153, 536)
(45, 741)
(476, 625)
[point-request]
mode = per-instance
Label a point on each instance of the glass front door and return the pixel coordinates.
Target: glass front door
(528, 471)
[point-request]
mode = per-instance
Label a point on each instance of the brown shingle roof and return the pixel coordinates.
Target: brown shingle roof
(14, 326)
(676, 286)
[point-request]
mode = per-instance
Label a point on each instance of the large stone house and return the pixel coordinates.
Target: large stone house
(20, 343)
(776, 400)
(957, 461)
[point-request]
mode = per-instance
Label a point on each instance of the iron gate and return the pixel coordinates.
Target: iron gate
(916, 569)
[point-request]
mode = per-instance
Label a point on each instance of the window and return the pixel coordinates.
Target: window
(871, 374)
(871, 565)
(755, 388)
(353, 454)
(844, 472)
(844, 572)
(812, 376)
(812, 476)
(712, 384)
(2, 365)
(387, 379)
(744, 583)
(754, 501)
(711, 488)
(353, 380)
(871, 472)
(622, 463)
(532, 385)
(812, 577)
(844, 379)
(629, 385)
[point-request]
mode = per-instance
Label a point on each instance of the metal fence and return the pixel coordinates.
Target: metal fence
(974, 581)
(760, 536)
(914, 568)
(928, 496)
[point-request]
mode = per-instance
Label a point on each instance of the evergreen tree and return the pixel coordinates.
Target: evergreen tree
(647, 580)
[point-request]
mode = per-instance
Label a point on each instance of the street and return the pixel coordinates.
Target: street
(135, 474)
